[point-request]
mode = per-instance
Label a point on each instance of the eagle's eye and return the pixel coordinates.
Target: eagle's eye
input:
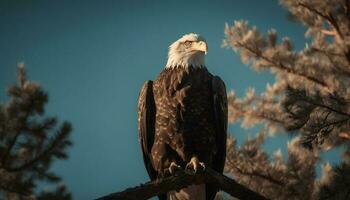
(188, 43)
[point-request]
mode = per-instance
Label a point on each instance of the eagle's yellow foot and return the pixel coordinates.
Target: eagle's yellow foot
(195, 164)
(173, 168)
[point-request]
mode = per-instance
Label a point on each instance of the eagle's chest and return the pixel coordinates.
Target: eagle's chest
(184, 112)
(183, 93)
(183, 86)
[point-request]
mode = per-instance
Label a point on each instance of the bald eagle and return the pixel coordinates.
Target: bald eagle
(182, 118)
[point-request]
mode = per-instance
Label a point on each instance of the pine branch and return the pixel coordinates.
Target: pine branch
(260, 175)
(8, 188)
(13, 141)
(7, 152)
(186, 178)
(55, 145)
(280, 66)
(328, 17)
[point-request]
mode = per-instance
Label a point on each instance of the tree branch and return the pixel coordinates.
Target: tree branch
(186, 178)
(262, 176)
(281, 66)
(328, 17)
(12, 189)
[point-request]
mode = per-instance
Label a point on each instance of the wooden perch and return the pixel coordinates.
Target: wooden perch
(184, 179)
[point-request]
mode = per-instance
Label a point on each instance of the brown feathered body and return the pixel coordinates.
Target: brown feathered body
(184, 117)
(183, 114)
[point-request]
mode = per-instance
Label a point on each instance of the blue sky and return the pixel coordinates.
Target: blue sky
(93, 56)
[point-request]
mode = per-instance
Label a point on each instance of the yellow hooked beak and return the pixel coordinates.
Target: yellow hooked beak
(200, 46)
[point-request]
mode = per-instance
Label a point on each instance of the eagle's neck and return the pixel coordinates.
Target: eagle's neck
(176, 59)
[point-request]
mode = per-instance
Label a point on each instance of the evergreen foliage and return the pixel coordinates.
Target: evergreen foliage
(29, 143)
(310, 99)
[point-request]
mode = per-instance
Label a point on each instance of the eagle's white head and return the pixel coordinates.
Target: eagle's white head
(187, 51)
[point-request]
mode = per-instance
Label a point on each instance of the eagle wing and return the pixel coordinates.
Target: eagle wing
(220, 112)
(146, 125)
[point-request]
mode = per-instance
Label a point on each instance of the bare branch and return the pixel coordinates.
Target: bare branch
(183, 180)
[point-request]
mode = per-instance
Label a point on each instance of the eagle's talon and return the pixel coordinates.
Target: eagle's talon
(173, 168)
(195, 164)
(203, 165)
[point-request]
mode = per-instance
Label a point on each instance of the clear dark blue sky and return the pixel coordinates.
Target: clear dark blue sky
(93, 56)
